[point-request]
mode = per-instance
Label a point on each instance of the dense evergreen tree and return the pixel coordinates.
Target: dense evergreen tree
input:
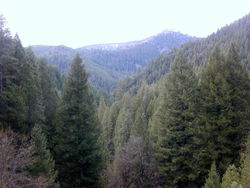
(49, 97)
(76, 150)
(20, 102)
(197, 51)
(12, 106)
(225, 93)
(190, 128)
(31, 89)
(112, 117)
(142, 105)
(44, 165)
(176, 122)
(124, 122)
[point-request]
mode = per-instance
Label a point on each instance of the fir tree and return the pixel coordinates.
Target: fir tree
(176, 122)
(231, 175)
(77, 153)
(44, 164)
(32, 91)
(224, 107)
(12, 106)
(213, 180)
(49, 101)
(112, 117)
(124, 122)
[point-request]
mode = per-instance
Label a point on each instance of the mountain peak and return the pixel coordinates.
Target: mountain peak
(131, 44)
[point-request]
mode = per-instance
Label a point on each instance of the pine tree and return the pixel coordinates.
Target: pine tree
(213, 180)
(176, 122)
(44, 164)
(76, 150)
(225, 97)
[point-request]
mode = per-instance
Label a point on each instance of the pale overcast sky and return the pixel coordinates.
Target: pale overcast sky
(77, 23)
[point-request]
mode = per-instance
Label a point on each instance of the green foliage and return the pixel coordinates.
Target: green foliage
(111, 124)
(225, 92)
(49, 97)
(197, 52)
(124, 122)
(26, 98)
(56, 78)
(213, 180)
(21, 101)
(189, 124)
(236, 185)
(107, 65)
(44, 164)
(176, 122)
(77, 153)
(12, 110)
(231, 175)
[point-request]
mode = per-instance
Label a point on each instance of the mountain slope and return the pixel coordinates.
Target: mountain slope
(109, 63)
(197, 52)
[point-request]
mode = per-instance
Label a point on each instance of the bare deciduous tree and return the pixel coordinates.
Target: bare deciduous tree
(134, 166)
(15, 159)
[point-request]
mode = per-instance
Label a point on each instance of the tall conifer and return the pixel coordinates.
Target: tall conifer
(176, 122)
(77, 153)
(225, 93)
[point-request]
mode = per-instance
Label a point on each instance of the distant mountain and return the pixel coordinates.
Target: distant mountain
(132, 44)
(198, 52)
(109, 63)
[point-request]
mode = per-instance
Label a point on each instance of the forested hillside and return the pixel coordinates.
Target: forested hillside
(182, 112)
(34, 114)
(181, 122)
(197, 52)
(109, 63)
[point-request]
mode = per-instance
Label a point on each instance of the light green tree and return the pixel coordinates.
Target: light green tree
(213, 180)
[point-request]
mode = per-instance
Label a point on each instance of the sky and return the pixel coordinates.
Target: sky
(77, 23)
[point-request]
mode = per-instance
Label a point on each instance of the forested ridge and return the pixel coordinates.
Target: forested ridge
(109, 63)
(197, 52)
(181, 122)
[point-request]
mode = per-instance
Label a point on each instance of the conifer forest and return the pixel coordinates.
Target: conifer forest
(130, 117)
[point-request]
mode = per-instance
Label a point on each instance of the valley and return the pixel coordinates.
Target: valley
(168, 111)
(107, 64)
